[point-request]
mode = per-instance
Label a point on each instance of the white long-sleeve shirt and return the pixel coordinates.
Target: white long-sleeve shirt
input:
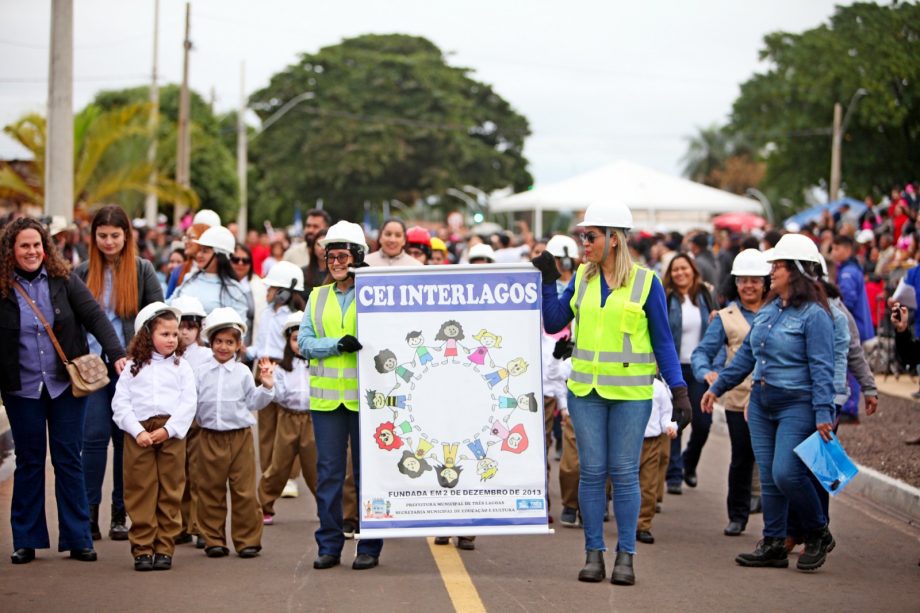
(269, 342)
(161, 387)
(660, 418)
(197, 355)
(292, 389)
(226, 395)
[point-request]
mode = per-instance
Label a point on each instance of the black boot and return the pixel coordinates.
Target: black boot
(119, 529)
(594, 570)
(818, 544)
(623, 573)
(94, 522)
(771, 551)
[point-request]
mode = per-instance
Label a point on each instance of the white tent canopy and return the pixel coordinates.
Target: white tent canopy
(655, 198)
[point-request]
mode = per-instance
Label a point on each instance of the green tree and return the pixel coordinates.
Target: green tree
(788, 109)
(721, 159)
(388, 118)
(99, 176)
(212, 165)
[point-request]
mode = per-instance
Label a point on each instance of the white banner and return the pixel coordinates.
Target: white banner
(452, 432)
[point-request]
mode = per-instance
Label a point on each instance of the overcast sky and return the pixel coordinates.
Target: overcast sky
(598, 80)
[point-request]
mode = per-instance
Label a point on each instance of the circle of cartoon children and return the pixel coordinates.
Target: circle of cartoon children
(216, 330)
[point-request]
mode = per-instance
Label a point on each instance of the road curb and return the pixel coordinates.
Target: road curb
(886, 492)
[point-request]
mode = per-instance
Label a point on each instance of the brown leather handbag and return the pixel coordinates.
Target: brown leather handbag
(88, 373)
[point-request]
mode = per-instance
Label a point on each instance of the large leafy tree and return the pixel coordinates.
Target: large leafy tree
(788, 109)
(719, 158)
(383, 116)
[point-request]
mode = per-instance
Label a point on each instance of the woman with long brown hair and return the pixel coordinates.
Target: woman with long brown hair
(36, 389)
(689, 306)
(122, 283)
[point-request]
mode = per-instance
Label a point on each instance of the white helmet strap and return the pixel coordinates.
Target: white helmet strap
(798, 265)
(606, 243)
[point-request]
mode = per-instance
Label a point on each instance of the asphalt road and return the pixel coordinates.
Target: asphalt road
(689, 568)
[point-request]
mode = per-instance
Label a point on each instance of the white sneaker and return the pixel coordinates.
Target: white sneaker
(290, 489)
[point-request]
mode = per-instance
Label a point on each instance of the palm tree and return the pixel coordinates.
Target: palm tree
(99, 174)
(707, 152)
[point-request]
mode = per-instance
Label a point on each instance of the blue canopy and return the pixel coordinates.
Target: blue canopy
(803, 218)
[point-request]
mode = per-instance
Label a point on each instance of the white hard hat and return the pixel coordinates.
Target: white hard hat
(791, 226)
(293, 321)
(750, 263)
(345, 232)
(285, 275)
(865, 236)
(207, 217)
(189, 306)
(482, 251)
(561, 246)
(58, 224)
(222, 317)
(608, 214)
(795, 247)
(218, 238)
(152, 310)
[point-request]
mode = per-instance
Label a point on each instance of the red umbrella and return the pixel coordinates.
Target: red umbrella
(738, 222)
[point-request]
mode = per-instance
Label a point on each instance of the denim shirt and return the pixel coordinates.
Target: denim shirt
(37, 356)
(789, 348)
(710, 354)
(313, 347)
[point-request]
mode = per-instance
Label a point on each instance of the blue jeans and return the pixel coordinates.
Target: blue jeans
(609, 435)
(98, 429)
(34, 423)
(332, 430)
(780, 419)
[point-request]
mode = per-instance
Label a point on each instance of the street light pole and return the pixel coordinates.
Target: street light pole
(59, 198)
(840, 126)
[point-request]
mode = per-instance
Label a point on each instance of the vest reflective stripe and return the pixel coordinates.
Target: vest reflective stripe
(333, 380)
(613, 352)
(325, 371)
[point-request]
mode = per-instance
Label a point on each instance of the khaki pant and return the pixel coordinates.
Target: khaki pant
(568, 466)
(664, 458)
(268, 424)
(154, 480)
(652, 468)
(293, 439)
(190, 493)
(228, 457)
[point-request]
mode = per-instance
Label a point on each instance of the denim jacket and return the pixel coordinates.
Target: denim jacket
(709, 355)
(790, 348)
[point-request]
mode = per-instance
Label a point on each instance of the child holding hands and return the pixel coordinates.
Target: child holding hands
(653, 462)
(226, 396)
(154, 404)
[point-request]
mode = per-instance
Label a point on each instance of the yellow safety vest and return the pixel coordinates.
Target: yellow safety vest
(613, 349)
(333, 380)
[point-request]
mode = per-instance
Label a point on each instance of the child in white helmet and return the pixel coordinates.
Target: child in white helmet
(154, 403)
(227, 395)
(294, 432)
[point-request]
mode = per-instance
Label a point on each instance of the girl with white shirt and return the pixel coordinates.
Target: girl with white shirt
(154, 404)
(654, 459)
(227, 395)
(690, 304)
(294, 431)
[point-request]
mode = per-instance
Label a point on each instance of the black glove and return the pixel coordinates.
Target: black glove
(348, 344)
(563, 349)
(546, 264)
(681, 411)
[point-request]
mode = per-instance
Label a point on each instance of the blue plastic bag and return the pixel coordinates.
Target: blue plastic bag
(827, 461)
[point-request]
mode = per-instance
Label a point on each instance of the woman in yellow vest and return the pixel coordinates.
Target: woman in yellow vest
(621, 331)
(327, 340)
(750, 284)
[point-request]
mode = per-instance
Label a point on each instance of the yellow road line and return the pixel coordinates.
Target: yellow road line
(460, 588)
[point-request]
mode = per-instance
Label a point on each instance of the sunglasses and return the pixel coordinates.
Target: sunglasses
(588, 237)
(239, 260)
(339, 258)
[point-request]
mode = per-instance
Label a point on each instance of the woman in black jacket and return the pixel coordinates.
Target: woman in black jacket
(36, 389)
(122, 284)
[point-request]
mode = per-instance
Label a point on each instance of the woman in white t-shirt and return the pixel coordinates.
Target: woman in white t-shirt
(690, 304)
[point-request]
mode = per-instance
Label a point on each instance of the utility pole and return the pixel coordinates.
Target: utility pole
(59, 197)
(183, 149)
(836, 142)
(150, 202)
(242, 158)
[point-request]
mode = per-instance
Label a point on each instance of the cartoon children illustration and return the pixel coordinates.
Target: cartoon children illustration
(516, 441)
(515, 368)
(386, 361)
(387, 435)
(486, 467)
(416, 341)
(487, 340)
(377, 400)
(412, 466)
(368, 509)
(448, 476)
(525, 402)
(451, 333)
